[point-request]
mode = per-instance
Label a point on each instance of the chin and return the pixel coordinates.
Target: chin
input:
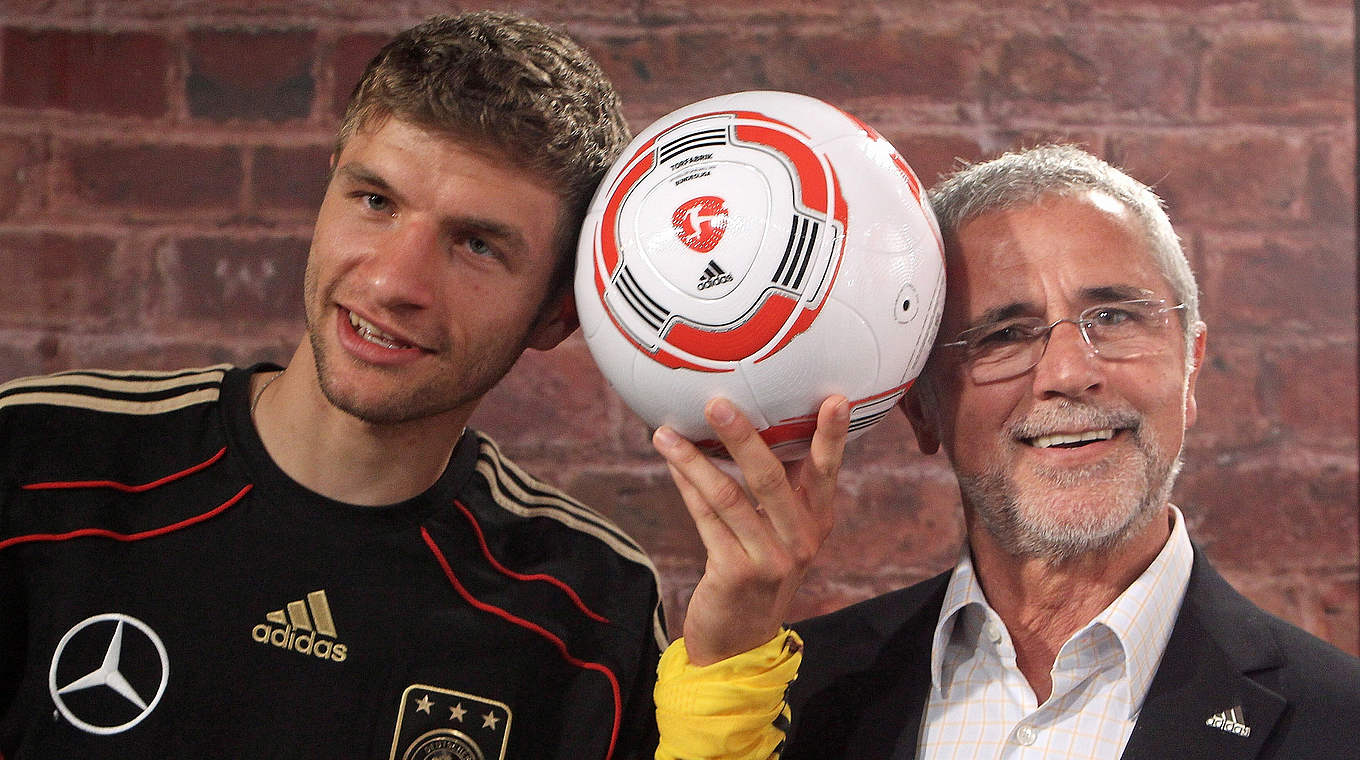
(1059, 518)
(1081, 533)
(386, 408)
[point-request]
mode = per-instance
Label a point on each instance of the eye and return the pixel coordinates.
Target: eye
(477, 244)
(1113, 315)
(1003, 334)
(376, 202)
(480, 247)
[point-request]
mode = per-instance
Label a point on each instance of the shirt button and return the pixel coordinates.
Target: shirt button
(993, 632)
(1025, 735)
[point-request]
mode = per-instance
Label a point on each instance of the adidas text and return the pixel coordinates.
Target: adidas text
(1228, 724)
(720, 279)
(303, 643)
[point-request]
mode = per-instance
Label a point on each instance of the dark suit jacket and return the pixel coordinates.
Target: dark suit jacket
(865, 681)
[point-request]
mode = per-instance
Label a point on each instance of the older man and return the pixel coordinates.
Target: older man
(1080, 621)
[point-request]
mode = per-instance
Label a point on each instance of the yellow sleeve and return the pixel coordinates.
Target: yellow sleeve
(733, 709)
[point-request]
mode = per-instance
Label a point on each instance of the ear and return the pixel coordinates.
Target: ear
(556, 322)
(1197, 356)
(920, 407)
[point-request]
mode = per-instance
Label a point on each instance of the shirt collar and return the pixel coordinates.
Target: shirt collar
(1141, 618)
(962, 593)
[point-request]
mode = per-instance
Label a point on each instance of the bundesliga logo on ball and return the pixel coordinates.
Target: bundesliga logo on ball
(765, 247)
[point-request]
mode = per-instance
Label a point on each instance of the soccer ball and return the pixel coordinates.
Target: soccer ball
(766, 247)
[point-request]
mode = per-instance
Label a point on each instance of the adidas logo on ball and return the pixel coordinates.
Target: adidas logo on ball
(713, 276)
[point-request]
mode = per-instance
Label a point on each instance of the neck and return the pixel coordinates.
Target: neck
(1043, 601)
(341, 456)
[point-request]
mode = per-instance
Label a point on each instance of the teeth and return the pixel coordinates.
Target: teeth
(1049, 441)
(372, 334)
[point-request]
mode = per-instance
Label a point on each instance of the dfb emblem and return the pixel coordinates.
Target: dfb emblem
(700, 222)
(441, 724)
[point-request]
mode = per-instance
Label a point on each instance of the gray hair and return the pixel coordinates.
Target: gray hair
(1022, 178)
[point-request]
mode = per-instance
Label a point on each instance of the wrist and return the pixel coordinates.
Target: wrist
(733, 708)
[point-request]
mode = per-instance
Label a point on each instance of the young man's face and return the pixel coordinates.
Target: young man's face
(429, 273)
(1052, 261)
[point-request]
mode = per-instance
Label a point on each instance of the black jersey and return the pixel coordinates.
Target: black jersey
(166, 591)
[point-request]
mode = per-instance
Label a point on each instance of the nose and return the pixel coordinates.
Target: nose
(1068, 365)
(401, 271)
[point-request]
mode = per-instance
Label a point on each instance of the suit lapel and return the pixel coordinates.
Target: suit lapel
(900, 710)
(878, 711)
(870, 706)
(1203, 702)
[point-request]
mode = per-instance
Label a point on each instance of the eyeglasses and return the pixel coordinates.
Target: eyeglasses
(1010, 347)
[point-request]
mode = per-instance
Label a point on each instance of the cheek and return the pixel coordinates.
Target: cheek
(1159, 394)
(309, 278)
(972, 418)
(338, 235)
(1167, 411)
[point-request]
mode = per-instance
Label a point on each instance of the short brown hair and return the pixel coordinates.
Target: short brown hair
(502, 81)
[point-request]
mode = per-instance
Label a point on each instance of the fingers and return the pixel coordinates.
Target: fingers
(764, 473)
(817, 474)
(781, 507)
(717, 502)
(759, 543)
(795, 501)
(716, 536)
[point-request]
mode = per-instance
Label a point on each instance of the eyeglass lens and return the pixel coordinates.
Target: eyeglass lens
(1125, 330)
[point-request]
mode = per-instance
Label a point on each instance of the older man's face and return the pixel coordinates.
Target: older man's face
(1079, 452)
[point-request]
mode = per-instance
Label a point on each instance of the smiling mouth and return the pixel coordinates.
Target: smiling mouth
(1070, 440)
(370, 333)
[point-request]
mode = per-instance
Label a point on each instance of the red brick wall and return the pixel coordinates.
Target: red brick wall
(160, 162)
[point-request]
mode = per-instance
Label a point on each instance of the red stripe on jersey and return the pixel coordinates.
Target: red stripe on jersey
(503, 570)
(537, 629)
(103, 533)
(123, 486)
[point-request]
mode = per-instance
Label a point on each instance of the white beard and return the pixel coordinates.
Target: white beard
(1064, 513)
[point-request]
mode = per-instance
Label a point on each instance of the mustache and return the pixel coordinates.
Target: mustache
(1066, 415)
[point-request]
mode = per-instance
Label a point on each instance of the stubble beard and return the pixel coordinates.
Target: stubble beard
(407, 403)
(453, 387)
(1065, 513)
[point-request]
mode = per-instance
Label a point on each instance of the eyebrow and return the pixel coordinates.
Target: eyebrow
(364, 175)
(1107, 293)
(507, 233)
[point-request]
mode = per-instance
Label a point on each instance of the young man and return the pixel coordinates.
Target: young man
(322, 561)
(1080, 621)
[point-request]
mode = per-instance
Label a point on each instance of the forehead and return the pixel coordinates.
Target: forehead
(412, 146)
(1049, 254)
(453, 178)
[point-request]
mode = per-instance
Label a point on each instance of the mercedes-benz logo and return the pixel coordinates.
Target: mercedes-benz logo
(107, 674)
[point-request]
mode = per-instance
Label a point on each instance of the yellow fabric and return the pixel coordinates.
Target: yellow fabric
(733, 709)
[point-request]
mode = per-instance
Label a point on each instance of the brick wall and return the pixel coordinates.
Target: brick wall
(160, 162)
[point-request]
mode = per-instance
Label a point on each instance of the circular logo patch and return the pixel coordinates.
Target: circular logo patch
(443, 744)
(108, 673)
(700, 222)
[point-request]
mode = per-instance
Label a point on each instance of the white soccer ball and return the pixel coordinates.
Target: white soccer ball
(765, 247)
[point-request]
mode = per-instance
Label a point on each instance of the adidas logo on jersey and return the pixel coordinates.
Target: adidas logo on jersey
(305, 627)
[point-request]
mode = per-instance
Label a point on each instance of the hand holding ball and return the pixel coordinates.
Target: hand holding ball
(765, 247)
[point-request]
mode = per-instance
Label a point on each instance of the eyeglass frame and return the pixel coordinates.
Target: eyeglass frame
(1046, 334)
